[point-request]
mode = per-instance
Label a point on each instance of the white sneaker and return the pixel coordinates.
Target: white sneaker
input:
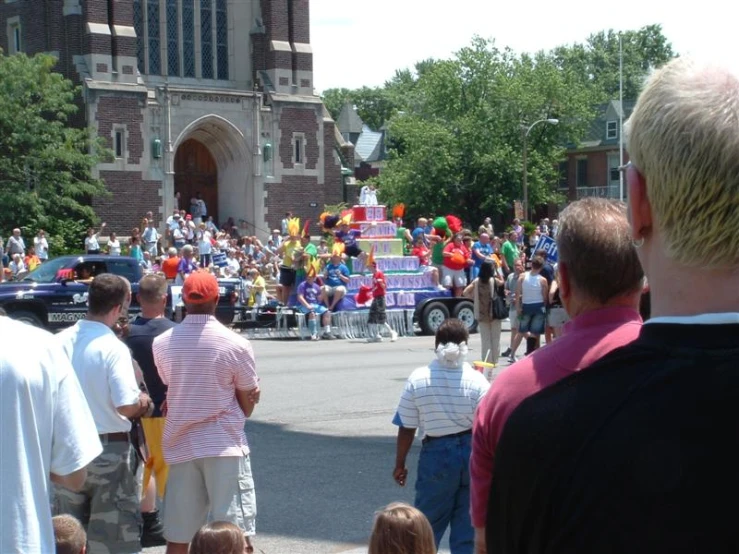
(314, 337)
(393, 336)
(378, 338)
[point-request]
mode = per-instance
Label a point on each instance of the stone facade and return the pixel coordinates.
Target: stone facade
(158, 73)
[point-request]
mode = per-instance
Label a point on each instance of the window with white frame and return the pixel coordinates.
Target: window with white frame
(298, 149)
(611, 130)
(119, 142)
(15, 43)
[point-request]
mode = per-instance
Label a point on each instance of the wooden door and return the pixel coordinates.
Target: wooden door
(195, 171)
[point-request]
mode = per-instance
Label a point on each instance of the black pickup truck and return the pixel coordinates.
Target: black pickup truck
(50, 297)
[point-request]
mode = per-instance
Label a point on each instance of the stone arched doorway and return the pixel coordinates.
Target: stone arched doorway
(195, 170)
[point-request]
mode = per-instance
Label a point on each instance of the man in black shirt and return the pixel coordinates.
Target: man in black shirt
(152, 297)
(638, 452)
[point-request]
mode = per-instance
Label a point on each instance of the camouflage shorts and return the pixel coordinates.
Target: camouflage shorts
(108, 505)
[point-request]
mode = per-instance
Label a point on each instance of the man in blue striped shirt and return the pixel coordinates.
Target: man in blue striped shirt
(441, 399)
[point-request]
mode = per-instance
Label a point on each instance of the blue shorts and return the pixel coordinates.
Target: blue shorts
(318, 309)
(532, 319)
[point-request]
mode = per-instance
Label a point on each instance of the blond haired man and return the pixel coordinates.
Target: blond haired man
(637, 453)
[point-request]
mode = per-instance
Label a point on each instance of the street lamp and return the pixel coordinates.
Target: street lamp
(550, 121)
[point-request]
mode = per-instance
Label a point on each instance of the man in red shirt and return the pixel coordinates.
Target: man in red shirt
(456, 258)
(422, 252)
(377, 313)
(170, 265)
(600, 280)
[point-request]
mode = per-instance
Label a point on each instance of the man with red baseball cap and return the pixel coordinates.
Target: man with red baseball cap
(212, 388)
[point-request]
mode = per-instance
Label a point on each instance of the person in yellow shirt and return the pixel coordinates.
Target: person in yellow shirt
(258, 289)
(32, 261)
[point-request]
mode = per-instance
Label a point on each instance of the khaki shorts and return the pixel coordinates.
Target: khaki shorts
(220, 486)
(108, 504)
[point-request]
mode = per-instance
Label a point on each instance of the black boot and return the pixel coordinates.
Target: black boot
(153, 534)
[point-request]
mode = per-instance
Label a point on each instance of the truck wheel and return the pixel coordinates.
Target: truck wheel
(432, 317)
(465, 312)
(27, 317)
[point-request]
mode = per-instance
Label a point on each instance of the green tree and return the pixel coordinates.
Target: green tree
(596, 61)
(334, 99)
(45, 164)
(458, 149)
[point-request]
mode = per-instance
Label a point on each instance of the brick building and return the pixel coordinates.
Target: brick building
(209, 96)
(591, 167)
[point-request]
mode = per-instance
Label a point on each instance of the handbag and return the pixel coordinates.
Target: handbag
(498, 306)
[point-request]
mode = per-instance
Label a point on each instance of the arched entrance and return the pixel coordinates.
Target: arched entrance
(213, 156)
(195, 170)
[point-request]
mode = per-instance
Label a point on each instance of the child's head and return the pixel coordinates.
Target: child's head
(69, 534)
(401, 529)
(219, 537)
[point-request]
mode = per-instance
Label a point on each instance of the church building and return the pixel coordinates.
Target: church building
(208, 96)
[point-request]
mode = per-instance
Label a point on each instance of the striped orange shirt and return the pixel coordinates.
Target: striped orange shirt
(203, 363)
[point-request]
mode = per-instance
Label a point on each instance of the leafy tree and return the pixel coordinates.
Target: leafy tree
(334, 99)
(459, 148)
(45, 164)
(596, 60)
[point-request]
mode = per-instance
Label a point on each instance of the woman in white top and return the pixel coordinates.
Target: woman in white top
(532, 294)
(92, 246)
(41, 245)
(482, 291)
(114, 245)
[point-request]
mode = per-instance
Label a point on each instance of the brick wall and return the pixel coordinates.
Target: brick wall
(96, 11)
(275, 19)
(34, 32)
(129, 200)
(295, 194)
(122, 110)
(299, 120)
(301, 21)
(333, 180)
(122, 14)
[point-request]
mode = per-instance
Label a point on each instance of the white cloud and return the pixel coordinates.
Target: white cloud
(363, 42)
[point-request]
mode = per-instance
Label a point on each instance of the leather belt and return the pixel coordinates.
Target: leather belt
(428, 438)
(115, 437)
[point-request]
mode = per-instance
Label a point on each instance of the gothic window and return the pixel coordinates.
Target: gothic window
(155, 55)
(222, 38)
(138, 25)
(173, 39)
(188, 38)
(206, 39)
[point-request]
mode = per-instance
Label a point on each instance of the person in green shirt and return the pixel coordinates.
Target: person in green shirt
(437, 250)
(405, 235)
(305, 257)
(510, 252)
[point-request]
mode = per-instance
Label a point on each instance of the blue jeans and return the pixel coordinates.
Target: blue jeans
(443, 490)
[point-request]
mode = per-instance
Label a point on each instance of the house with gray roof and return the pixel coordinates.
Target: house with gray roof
(592, 166)
(369, 146)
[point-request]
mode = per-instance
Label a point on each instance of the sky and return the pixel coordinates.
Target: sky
(362, 42)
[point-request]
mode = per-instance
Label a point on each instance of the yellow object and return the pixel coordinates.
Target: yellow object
(153, 431)
(293, 226)
(338, 249)
(486, 368)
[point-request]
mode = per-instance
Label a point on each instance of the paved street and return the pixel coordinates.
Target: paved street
(323, 447)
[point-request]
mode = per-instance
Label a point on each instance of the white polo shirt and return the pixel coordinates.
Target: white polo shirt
(104, 368)
(46, 428)
(441, 400)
